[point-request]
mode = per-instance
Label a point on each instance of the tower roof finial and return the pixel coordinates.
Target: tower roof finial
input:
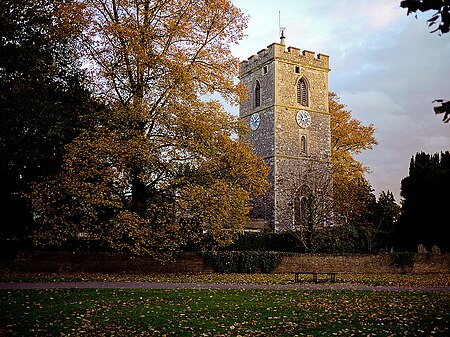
(282, 37)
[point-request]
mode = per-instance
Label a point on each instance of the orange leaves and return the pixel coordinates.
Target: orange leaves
(70, 19)
(157, 166)
(224, 172)
(150, 48)
(193, 177)
(348, 138)
(348, 134)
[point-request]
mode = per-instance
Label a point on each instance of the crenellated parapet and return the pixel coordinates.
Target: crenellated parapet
(258, 60)
(295, 55)
(291, 55)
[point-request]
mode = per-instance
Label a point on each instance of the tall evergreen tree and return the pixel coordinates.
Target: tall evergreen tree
(41, 99)
(384, 214)
(425, 193)
(387, 212)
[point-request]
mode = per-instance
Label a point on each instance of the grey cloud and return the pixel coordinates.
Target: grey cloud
(386, 68)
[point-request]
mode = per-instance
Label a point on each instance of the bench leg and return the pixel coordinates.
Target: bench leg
(315, 278)
(333, 278)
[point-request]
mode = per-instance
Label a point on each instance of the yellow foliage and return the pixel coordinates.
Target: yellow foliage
(348, 138)
(158, 168)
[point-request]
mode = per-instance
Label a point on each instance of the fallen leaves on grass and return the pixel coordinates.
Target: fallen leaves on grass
(119, 312)
(400, 280)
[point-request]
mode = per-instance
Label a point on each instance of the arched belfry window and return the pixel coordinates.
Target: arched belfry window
(302, 92)
(303, 145)
(257, 95)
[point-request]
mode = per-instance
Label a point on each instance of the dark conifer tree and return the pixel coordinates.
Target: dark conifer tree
(426, 194)
(41, 99)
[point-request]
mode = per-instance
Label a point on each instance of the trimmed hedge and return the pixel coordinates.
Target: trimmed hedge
(346, 239)
(277, 242)
(243, 261)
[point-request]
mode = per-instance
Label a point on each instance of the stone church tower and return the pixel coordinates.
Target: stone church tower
(287, 111)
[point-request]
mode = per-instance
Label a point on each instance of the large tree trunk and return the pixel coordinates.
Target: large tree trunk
(138, 196)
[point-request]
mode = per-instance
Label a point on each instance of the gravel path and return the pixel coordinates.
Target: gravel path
(148, 285)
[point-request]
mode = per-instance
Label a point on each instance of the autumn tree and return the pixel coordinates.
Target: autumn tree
(41, 99)
(349, 198)
(160, 166)
(351, 190)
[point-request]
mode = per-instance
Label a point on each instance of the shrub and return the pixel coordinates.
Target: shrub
(339, 239)
(403, 260)
(244, 261)
(284, 242)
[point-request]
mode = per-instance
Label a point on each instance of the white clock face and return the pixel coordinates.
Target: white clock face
(303, 118)
(254, 121)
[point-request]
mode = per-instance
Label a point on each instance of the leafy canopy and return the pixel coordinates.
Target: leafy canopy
(159, 167)
(41, 98)
(349, 138)
(442, 8)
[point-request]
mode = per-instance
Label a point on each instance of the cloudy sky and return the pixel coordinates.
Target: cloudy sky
(386, 67)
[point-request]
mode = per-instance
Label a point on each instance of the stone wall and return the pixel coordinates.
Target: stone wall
(192, 263)
(100, 262)
(431, 263)
(364, 263)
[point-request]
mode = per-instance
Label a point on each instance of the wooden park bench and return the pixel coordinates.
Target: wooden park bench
(314, 275)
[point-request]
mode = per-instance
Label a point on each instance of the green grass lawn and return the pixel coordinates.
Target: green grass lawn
(115, 312)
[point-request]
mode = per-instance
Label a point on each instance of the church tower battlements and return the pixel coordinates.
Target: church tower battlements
(287, 111)
(292, 54)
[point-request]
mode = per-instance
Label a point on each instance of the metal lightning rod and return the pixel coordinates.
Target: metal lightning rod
(281, 29)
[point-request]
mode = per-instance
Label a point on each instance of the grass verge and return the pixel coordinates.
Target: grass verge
(405, 280)
(111, 312)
